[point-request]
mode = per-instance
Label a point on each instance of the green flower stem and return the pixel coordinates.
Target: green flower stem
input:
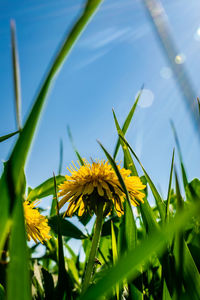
(93, 251)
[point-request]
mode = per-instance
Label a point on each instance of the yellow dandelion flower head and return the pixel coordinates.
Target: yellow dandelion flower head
(91, 183)
(36, 225)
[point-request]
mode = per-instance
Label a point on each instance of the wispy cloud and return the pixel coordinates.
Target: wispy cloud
(91, 59)
(112, 35)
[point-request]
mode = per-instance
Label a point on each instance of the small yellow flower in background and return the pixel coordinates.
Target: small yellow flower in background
(98, 182)
(36, 225)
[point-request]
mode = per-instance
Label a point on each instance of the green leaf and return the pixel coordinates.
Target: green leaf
(48, 284)
(16, 74)
(166, 294)
(127, 156)
(22, 147)
(115, 254)
(7, 136)
(159, 202)
(127, 266)
(127, 123)
(169, 189)
(147, 213)
(74, 147)
(130, 226)
(66, 228)
(45, 189)
(184, 175)
(134, 293)
(2, 292)
(178, 244)
(18, 287)
(64, 285)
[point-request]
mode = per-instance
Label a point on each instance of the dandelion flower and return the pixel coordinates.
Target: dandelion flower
(36, 225)
(91, 183)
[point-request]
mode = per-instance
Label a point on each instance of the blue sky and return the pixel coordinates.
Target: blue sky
(117, 53)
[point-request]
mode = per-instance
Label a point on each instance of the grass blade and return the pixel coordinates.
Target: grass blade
(45, 189)
(131, 232)
(127, 122)
(184, 175)
(61, 158)
(7, 136)
(127, 156)
(169, 188)
(64, 284)
(73, 146)
(115, 254)
(127, 266)
(16, 74)
(22, 147)
(18, 287)
(160, 203)
(66, 228)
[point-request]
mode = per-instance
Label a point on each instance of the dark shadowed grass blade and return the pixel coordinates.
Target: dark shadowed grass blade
(127, 122)
(61, 158)
(66, 228)
(159, 202)
(48, 284)
(18, 277)
(16, 74)
(127, 266)
(130, 226)
(169, 188)
(45, 189)
(21, 149)
(64, 283)
(75, 150)
(7, 136)
(184, 175)
(127, 156)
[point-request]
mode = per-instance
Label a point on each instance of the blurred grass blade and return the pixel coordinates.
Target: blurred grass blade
(61, 158)
(160, 203)
(187, 270)
(19, 154)
(169, 188)
(16, 74)
(127, 122)
(2, 292)
(127, 266)
(130, 226)
(127, 156)
(115, 255)
(184, 175)
(7, 136)
(166, 294)
(64, 284)
(18, 276)
(161, 25)
(73, 146)
(45, 189)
